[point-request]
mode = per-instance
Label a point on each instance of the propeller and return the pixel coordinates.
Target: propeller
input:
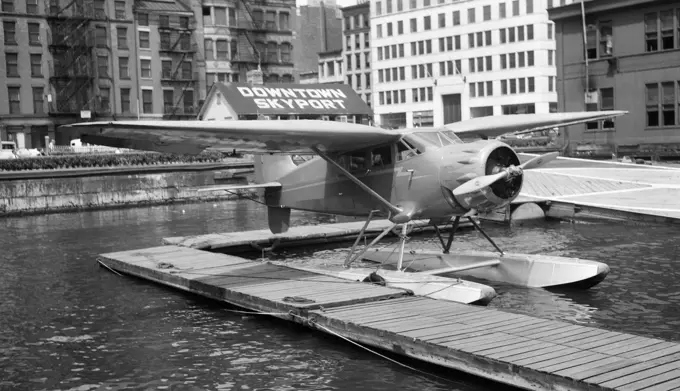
(509, 172)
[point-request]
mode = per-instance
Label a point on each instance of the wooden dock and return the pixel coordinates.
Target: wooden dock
(236, 242)
(520, 350)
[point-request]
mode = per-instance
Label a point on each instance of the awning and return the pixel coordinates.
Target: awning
(293, 99)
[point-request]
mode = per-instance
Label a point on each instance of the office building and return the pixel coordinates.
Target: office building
(318, 29)
(630, 62)
(241, 37)
(436, 62)
(356, 49)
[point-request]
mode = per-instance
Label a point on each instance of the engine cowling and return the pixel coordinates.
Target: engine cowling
(469, 162)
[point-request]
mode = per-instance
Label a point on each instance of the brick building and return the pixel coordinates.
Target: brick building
(630, 62)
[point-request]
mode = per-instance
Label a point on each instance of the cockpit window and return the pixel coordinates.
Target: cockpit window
(439, 138)
(451, 136)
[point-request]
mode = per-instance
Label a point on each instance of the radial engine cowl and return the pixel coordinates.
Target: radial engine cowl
(472, 164)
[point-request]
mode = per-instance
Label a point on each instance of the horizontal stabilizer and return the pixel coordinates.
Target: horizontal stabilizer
(257, 136)
(234, 187)
(497, 125)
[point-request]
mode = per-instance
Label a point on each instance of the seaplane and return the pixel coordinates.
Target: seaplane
(404, 175)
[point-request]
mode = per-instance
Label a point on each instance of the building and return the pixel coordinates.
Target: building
(632, 63)
(166, 46)
(309, 77)
(331, 67)
(65, 61)
(437, 62)
(279, 101)
(356, 48)
(318, 29)
(242, 36)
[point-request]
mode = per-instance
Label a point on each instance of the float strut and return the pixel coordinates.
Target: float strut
(485, 235)
(447, 246)
(361, 234)
(376, 240)
(402, 243)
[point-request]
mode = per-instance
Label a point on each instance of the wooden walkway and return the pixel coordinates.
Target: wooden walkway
(625, 189)
(520, 350)
(296, 236)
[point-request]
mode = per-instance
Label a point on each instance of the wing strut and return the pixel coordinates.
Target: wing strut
(396, 212)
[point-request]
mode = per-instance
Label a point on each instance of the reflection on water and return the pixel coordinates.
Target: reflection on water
(67, 324)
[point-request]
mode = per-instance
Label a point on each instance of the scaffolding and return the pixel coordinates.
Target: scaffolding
(179, 49)
(72, 39)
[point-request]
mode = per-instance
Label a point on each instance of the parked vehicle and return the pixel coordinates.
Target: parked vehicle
(8, 150)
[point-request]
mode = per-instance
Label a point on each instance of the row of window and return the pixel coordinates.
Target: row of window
(447, 44)
(10, 31)
(422, 94)
(12, 65)
(227, 16)
(663, 104)
(14, 94)
(223, 49)
(10, 6)
(356, 22)
(357, 61)
(64, 66)
(171, 103)
(452, 67)
(354, 81)
(357, 41)
(471, 12)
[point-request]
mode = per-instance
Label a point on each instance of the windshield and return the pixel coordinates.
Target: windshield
(437, 139)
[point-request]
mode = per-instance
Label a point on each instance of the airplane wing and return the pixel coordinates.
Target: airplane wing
(497, 125)
(204, 189)
(257, 136)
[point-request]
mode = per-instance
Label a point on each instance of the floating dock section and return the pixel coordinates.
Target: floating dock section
(235, 242)
(519, 350)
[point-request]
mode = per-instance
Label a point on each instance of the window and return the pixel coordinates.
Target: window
(651, 32)
(487, 12)
(522, 85)
(442, 20)
(144, 39)
(551, 84)
(10, 29)
(8, 6)
(504, 61)
(147, 101)
(511, 34)
(272, 52)
(146, 68)
(34, 34)
(12, 64)
(123, 68)
(502, 11)
(122, 37)
(388, 7)
(357, 61)
(607, 103)
(551, 57)
(270, 20)
(457, 41)
(530, 6)
(284, 21)
(36, 65)
(487, 38)
(125, 100)
(456, 18)
(143, 19)
(234, 50)
(14, 99)
(100, 37)
(502, 35)
(530, 58)
(504, 87)
(232, 19)
(120, 10)
(473, 90)
(414, 25)
(221, 16)
(105, 99)
(471, 65)
(208, 49)
(606, 38)
(38, 100)
(652, 105)
(186, 70)
(188, 101)
(32, 7)
(513, 86)
(222, 51)
(166, 69)
(550, 31)
(489, 88)
(515, 7)
(103, 66)
(471, 15)
(489, 67)
(521, 60)
(389, 30)
(520, 33)
(530, 32)
(531, 81)
(471, 40)
(667, 31)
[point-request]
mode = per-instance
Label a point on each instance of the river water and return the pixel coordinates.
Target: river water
(67, 324)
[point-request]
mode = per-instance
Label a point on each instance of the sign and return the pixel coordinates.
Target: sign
(301, 99)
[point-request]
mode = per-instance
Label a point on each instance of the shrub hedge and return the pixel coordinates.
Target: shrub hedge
(110, 160)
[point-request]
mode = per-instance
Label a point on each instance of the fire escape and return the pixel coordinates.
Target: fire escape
(72, 39)
(252, 37)
(177, 44)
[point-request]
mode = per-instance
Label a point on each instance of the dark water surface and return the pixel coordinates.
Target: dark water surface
(67, 324)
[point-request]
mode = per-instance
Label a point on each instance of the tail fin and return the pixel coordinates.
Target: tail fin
(269, 168)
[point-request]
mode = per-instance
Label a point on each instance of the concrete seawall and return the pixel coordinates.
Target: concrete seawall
(99, 189)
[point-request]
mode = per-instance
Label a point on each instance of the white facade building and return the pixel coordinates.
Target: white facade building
(437, 62)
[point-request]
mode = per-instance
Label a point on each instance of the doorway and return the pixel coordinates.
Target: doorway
(452, 108)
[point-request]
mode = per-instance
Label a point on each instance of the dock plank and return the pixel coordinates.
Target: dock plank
(515, 349)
